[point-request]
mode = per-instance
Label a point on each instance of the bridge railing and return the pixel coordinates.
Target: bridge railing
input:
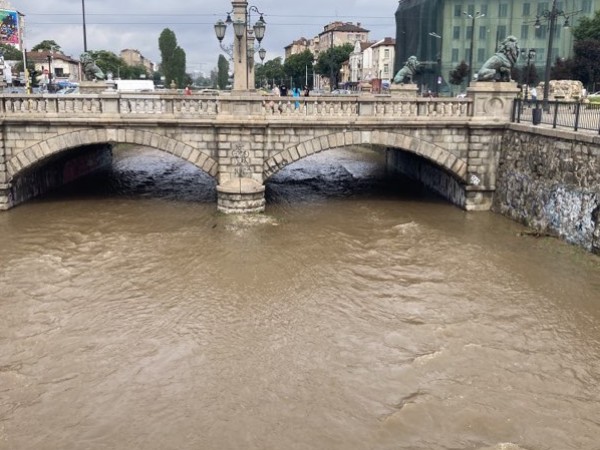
(210, 106)
(572, 115)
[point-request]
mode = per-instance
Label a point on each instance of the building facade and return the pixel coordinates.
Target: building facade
(133, 57)
(57, 64)
(482, 24)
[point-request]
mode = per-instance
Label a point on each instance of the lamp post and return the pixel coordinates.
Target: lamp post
(50, 87)
(84, 32)
(527, 77)
(551, 17)
(438, 59)
(477, 15)
(243, 48)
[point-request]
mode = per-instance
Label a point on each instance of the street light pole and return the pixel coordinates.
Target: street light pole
(84, 31)
(243, 64)
(551, 17)
(527, 77)
(438, 60)
(477, 15)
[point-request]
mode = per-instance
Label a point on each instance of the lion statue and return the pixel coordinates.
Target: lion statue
(498, 67)
(91, 71)
(407, 73)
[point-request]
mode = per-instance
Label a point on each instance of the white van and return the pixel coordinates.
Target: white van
(134, 85)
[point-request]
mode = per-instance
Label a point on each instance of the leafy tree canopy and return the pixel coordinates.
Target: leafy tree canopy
(460, 72)
(296, 67)
(47, 45)
(330, 62)
(110, 62)
(270, 72)
(588, 28)
(11, 53)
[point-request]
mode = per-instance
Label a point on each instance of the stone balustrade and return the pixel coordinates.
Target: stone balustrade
(200, 106)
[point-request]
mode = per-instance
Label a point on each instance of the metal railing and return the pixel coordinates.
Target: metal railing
(572, 115)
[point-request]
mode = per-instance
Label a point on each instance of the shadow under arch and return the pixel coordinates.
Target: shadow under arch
(434, 153)
(37, 153)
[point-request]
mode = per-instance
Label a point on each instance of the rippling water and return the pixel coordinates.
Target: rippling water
(354, 314)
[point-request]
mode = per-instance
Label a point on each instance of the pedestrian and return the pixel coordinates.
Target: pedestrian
(187, 91)
(306, 91)
(533, 92)
(276, 91)
(283, 90)
(296, 94)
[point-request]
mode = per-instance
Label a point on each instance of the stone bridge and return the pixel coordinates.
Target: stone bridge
(451, 145)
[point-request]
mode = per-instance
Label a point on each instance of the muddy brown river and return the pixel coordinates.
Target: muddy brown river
(358, 313)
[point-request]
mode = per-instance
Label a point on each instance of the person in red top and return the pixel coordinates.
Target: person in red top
(187, 91)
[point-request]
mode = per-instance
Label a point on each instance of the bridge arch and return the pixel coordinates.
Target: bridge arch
(438, 155)
(42, 150)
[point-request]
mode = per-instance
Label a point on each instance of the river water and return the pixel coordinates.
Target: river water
(357, 313)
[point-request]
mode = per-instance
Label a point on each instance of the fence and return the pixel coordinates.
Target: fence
(572, 115)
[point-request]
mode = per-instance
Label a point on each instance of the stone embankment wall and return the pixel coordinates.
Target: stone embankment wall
(550, 181)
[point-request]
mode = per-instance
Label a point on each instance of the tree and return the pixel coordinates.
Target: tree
(297, 66)
(173, 58)
(222, 72)
(587, 28)
(330, 62)
(271, 71)
(459, 73)
(47, 45)
(587, 55)
(110, 62)
(11, 53)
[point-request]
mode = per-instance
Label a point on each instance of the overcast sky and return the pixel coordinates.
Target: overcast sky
(117, 24)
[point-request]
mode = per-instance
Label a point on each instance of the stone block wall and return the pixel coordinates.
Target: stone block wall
(550, 180)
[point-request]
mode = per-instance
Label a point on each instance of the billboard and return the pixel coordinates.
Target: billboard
(9, 27)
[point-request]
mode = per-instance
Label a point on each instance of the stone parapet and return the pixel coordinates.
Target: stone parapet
(492, 100)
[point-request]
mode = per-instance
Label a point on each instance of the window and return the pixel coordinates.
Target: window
(503, 10)
(59, 72)
(525, 32)
(586, 6)
(467, 54)
(481, 55)
(469, 32)
(471, 10)
(484, 9)
(526, 9)
(457, 10)
(386, 53)
(386, 69)
(501, 32)
(540, 54)
(456, 33)
(557, 31)
(454, 55)
(483, 33)
(541, 8)
(541, 32)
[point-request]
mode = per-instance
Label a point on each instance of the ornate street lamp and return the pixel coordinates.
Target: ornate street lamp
(527, 77)
(477, 15)
(438, 59)
(245, 36)
(551, 17)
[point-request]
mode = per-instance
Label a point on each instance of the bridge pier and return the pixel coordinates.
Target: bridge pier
(241, 196)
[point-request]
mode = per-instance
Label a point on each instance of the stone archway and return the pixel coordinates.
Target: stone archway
(436, 154)
(40, 151)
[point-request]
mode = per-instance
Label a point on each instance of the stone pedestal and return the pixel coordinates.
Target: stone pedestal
(492, 99)
(241, 196)
(92, 87)
(404, 90)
